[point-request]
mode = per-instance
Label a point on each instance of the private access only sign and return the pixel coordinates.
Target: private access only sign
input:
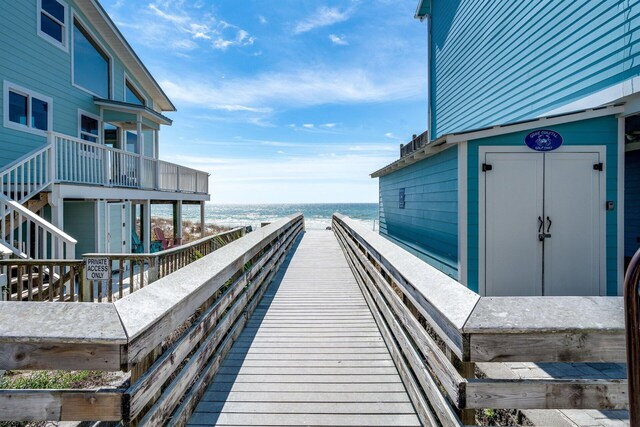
(97, 269)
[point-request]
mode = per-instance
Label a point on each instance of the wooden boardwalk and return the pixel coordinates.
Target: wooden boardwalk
(311, 353)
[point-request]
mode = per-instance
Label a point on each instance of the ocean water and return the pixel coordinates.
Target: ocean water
(317, 215)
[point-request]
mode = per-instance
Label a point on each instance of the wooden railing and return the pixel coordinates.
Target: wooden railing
(632, 321)
(416, 143)
(436, 330)
(171, 336)
(30, 280)
(84, 162)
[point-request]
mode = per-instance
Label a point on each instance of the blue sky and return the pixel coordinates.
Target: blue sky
(284, 101)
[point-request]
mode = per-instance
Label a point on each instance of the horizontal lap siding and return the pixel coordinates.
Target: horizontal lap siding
(28, 60)
(428, 225)
(500, 61)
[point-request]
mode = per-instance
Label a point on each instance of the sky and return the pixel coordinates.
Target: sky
(284, 101)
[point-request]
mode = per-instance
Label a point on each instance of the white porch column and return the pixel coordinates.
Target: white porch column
(140, 150)
(177, 222)
(57, 207)
(203, 229)
(156, 155)
(145, 224)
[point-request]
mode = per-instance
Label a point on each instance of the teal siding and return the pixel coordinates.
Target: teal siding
(28, 60)
(600, 131)
(498, 61)
(428, 225)
(83, 231)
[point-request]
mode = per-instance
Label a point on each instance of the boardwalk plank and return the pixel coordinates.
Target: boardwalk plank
(311, 354)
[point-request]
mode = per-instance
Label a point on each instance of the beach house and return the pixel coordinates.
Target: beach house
(80, 135)
(527, 181)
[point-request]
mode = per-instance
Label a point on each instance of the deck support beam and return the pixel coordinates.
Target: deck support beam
(203, 230)
(177, 222)
(145, 224)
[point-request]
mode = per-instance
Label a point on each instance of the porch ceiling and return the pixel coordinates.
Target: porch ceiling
(132, 109)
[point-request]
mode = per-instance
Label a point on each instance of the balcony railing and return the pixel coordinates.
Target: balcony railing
(416, 143)
(83, 162)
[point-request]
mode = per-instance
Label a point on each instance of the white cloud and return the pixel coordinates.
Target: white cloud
(242, 39)
(291, 179)
(262, 20)
(323, 17)
(308, 125)
(390, 135)
(339, 40)
(303, 87)
(329, 125)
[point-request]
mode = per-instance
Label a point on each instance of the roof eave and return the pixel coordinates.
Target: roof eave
(161, 100)
(423, 10)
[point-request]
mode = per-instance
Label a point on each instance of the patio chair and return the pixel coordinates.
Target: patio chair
(138, 245)
(166, 243)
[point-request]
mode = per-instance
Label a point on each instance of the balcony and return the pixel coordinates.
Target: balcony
(81, 162)
(417, 142)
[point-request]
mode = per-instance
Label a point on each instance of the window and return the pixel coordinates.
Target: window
(26, 110)
(132, 95)
(91, 65)
(111, 135)
(52, 18)
(89, 127)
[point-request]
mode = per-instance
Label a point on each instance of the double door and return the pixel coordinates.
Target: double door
(542, 223)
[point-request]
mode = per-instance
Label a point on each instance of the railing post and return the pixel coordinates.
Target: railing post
(85, 284)
(632, 329)
(178, 178)
(52, 173)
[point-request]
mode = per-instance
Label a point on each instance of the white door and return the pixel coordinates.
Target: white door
(116, 227)
(572, 220)
(514, 197)
(543, 224)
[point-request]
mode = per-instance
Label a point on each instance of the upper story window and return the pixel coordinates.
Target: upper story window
(52, 22)
(89, 127)
(91, 64)
(132, 95)
(26, 110)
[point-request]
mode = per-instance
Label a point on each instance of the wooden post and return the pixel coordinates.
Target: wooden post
(85, 284)
(145, 225)
(140, 152)
(468, 416)
(632, 328)
(203, 229)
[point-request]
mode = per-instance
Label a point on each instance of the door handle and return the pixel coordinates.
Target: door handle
(540, 224)
(548, 224)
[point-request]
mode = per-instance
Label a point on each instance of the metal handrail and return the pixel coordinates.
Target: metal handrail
(632, 327)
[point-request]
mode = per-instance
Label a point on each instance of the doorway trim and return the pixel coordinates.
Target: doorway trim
(483, 150)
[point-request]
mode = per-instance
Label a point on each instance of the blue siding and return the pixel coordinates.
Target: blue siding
(28, 60)
(600, 131)
(498, 61)
(631, 203)
(428, 225)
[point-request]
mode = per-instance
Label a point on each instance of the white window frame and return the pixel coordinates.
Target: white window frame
(128, 80)
(80, 132)
(64, 45)
(10, 87)
(97, 41)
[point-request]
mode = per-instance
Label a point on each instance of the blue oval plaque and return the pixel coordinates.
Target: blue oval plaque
(543, 140)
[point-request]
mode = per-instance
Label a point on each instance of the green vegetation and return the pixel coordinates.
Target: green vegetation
(44, 380)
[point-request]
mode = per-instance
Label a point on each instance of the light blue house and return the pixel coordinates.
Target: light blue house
(528, 180)
(79, 134)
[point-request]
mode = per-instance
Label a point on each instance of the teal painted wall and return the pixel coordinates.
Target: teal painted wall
(79, 223)
(600, 131)
(428, 225)
(631, 203)
(28, 60)
(498, 61)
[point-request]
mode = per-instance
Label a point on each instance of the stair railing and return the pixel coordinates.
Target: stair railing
(28, 175)
(36, 238)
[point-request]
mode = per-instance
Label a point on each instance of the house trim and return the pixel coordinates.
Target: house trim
(498, 130)
(620, 207)
(462, 212)
(81, 113)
